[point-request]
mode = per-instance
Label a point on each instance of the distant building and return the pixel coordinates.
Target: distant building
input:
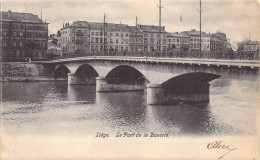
(136, 39)
(24, 36)
(74, 38)
(219, 42)
(179, 41)
(195, 40)
(116, 37)
(151, 37)
(252, 46)
(53, 48)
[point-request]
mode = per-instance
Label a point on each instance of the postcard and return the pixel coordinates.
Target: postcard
(130, 79)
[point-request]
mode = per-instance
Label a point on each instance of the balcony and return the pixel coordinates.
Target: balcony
(79, 33)
(79, 41)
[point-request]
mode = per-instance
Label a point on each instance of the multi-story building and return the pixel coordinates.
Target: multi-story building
(136, 39)
(151, 38)
(24, 37)
(218, 42)
(195, 40)
(74, 38)
(53, 49)
(116, 37)
(178, 41)
(252, 46)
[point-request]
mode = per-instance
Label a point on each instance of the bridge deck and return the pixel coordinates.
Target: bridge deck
(215, 62)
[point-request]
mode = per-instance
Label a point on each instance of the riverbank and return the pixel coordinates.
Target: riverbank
(30, 79)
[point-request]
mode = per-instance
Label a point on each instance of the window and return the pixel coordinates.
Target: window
(116, 34)
(4, 43)
(15, 26)
(126, 34)
(5, 33)
(92, 39)
(5, 26)
(111, 34)
(96, 41)
(101, 40)
(14, 43)
(145, 35)
(92, 33)
(116, 40)
(164, 41)
(43, 44)
(169, 40)
(97, 33)
(21, 44)
(145, 41)
(122, 34)
(14, 34)
(178, 40)
(21, 26)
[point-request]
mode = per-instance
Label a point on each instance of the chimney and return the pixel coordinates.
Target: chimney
(177, 33)
(9, 13)
(193, 30)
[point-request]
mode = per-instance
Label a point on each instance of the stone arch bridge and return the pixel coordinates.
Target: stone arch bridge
(167, 80)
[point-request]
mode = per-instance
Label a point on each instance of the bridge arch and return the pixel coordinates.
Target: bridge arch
(192, 78)
(126, 74)
(86, 70)
(61, 70)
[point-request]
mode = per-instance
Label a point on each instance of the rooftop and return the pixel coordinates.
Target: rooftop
(20, 17)
(193, 32)
(177, 34)
(151, 28)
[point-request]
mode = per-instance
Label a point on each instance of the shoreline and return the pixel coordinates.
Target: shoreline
(30, 79)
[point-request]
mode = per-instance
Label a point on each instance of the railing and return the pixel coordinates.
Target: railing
(169, 54)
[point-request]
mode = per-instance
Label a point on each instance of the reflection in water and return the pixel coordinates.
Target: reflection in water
(56, 108)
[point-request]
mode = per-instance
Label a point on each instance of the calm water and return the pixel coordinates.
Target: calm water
(54, 108)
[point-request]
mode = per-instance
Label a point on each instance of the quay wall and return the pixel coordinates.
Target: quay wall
(24, 71)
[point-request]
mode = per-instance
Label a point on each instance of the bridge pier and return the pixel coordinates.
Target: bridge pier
(106, 85)
(177, 93)
(75, 79)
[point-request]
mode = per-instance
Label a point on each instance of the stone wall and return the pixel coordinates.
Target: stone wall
(25, 71)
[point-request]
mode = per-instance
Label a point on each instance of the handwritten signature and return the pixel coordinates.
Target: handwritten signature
(220, 145)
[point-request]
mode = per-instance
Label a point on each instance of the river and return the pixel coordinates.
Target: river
(55, 109)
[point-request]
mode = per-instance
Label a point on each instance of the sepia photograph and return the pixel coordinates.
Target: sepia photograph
(130, 79)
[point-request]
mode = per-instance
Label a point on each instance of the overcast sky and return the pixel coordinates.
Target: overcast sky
(239, 19)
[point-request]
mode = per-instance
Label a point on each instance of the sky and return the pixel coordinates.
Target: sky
(239, 19)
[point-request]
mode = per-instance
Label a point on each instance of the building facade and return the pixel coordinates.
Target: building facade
(178, 41)
(252, 46)
(74, 38)
(151, 38)
(218, 42)
(195, 40)
(111, 37)
(24, 37)
(136, 39)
